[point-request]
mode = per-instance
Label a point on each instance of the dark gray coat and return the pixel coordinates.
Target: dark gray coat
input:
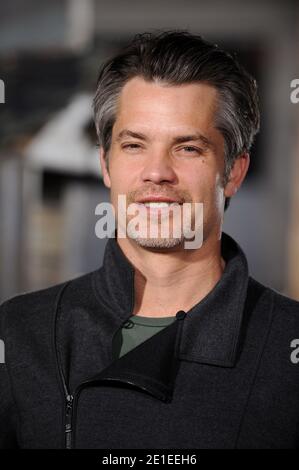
(220, 376)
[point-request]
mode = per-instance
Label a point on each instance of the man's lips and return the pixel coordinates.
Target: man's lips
(166, 199)
(159, 204)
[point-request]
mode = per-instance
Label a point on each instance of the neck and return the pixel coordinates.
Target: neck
(166, 282)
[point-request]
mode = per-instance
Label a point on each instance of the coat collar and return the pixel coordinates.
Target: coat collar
(211, 329)
(210, 333)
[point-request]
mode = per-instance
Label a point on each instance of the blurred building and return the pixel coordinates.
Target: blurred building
(50, 180)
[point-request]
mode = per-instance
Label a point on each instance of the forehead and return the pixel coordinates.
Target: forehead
(165, 106)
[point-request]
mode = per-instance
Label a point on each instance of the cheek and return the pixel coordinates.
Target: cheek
(217, 194)
(210, 191)
(118, 176)
(121, 183)
(201, 184)
(219, 199)
(125, 177)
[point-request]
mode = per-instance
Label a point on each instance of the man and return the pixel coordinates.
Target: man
(165, 346)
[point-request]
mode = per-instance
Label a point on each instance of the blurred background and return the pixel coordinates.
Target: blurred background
(50, 179)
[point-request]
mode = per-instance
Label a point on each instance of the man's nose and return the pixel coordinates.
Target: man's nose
(158, 168)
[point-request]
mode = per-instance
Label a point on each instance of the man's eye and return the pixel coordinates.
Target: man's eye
(190, 149)
(131, 146)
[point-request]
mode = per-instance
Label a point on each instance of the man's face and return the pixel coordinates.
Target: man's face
(165, 147)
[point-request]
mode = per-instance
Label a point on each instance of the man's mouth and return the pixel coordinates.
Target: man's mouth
(159, 202)
(159, 205)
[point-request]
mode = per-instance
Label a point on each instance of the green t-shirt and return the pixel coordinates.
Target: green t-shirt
(137, 330)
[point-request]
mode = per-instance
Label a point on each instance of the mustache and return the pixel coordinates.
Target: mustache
(162, 191)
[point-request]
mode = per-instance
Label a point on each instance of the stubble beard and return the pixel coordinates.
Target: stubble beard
(175, 236)
(159, 242)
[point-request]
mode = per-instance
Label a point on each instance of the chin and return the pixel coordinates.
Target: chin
(158, 243)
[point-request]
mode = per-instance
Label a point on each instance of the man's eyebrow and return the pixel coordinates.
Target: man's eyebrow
(128, 133)
(176, 140)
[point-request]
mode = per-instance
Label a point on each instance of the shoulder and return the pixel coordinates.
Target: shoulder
(36, 305)
(282, 311)
(282, 304)
(285, 311)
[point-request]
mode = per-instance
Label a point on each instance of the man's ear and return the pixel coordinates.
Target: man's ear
(104, 167)
(237, 174)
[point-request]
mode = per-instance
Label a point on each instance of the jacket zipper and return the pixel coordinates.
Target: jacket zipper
(68, 421)
(72, 416)
(67, 394)
(74, 399)
(71, 400)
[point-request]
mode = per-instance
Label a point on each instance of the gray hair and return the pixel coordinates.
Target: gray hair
(178, 57)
